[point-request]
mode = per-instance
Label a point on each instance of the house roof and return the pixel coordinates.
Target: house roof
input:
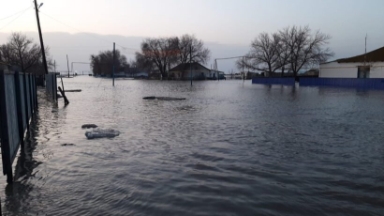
(217, 71)
(373, 56)
(187, 66)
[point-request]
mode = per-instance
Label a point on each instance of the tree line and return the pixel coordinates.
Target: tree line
(23, 52)
(156, 54)
(103, 62)
(290, 49)
(286, 51)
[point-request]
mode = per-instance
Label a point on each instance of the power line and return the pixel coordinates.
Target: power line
(235, 57)
(15, 14)
(15, 19)
(60, 21)
(126, 48)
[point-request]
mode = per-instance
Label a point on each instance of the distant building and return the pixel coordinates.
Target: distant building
(184, 71)
(154, 75)
(370, 65)
(213, 74)
(141, 75)
(311, 73)
(119, 74)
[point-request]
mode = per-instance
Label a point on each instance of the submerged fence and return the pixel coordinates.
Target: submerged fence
(51, 85)
(369, 83)
(274, 80)
(18, 103)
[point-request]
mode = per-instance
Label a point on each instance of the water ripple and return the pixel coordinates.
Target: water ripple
(230, 148)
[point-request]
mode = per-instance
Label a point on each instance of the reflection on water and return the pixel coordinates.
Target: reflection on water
(231, 148)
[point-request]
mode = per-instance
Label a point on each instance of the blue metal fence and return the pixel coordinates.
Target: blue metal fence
(23, 110)
(274, 80)
(51, 85)
(28, 95)
(32, 92)
(17, 93)
(371, 83)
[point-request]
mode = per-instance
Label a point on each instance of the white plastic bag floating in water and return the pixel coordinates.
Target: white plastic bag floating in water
(100, 133)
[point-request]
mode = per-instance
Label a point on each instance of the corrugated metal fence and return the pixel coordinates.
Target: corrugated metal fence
(18, 103)
(51, 85)
(274, 80)
(371, 83)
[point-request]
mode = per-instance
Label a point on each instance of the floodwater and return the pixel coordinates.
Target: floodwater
(230, 148)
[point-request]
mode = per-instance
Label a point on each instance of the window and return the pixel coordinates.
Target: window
(363, 71)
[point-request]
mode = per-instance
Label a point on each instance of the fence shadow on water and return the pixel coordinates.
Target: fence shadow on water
(18, 104)
(18, 193)
(20, 196)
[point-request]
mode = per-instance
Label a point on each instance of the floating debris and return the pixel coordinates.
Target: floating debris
(73, 90)
(149, 98)
(185, 108)
(67, 144)
(100, 133)
(162, 98)
(86, 126)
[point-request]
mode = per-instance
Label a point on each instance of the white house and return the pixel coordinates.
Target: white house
(369, 65)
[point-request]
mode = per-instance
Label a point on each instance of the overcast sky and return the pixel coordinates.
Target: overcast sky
(231, 23)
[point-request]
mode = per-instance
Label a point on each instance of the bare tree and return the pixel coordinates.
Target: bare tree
(304, 48)
(189, 47)
(163, 53)
(282, 53)
(292, 48)
(245, 62)
(142, 62)
(102, 64)
(21, 51)
(263, 55)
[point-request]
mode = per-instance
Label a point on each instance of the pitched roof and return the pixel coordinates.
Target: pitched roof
(187, 66)
(373, 56)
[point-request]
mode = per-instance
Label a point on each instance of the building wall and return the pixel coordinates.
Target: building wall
(349, 70)
(187, 74)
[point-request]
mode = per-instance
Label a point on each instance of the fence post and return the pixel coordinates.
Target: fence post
(7, 166)
(55, 86)
(26, 100)
(35, 91)
(19, 106)
(31, 95)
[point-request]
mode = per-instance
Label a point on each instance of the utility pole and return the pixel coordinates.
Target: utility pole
(365, 53)
(41, 38)
(243, 70)
(217, 71)
(113, 65)
(68, 66)
(190, 62)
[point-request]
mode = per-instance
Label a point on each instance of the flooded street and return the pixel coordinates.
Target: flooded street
(230, 148)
